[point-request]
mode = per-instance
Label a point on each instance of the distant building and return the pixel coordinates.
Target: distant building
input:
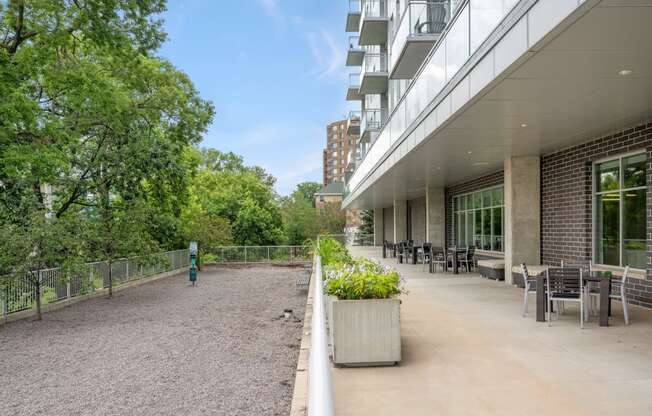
(332, 194)
(340, 141)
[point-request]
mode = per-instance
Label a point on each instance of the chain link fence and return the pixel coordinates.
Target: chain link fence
(258, 254)
(20, 294)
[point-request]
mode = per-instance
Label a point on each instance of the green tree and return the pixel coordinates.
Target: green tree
(367, 226)
(300, 218)
(308, 190)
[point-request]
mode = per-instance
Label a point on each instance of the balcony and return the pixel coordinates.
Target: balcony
(371, 123)
(373, 22)
(353, 123)
(355, 53)
(374, 76)
(420, 27)
(353, 16)
(353, 92)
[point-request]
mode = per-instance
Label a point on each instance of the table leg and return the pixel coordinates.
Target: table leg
(414, 256)
(541, 299)
(384, 251)
(605, 301)
(455, 271)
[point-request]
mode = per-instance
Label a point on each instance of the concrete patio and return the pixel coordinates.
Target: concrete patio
(467, 351)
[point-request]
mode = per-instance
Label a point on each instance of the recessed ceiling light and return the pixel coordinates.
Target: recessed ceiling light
(470, 152)
(480, 163)
(524, 125)
(625, 72)
(438, 167)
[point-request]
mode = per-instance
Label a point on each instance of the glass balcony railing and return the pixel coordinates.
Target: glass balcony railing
(374, 63)
(473, 21)
(374, 9)
(354, 44)
(354, 81)
(372, 120)
(420, 19)
(354, 117)
(354, 6)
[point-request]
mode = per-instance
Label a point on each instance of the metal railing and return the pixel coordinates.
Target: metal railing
(320, 390)
(374, 9)
(258, 254)
(354, 6)
(374, 63)
(372, 120)
(354, 43)
(353, 238)
(354, 81)
(18, 294)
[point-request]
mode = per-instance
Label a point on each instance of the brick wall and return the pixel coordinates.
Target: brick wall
(476, 184)
(566, 201)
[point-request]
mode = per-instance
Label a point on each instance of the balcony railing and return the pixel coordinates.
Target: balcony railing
(354, 117)
(473, 22)
(420, 19)
(374, 63)
(354, 81)
(372, 120)
(374, 9)
(354, 6)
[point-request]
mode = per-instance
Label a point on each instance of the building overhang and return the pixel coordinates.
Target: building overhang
(373, 31)
(353, 21)
(412, 55)
(589, 75)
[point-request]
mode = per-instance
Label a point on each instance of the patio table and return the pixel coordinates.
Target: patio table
(602, 278)
(454, 251)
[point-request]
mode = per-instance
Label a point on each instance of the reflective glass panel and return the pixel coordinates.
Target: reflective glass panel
(607, 231)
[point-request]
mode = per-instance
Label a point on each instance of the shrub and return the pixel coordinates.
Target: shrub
(332, 252)
(362, 279)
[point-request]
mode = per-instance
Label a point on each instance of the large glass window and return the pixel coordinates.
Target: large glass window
(478, 219)
(619, 212)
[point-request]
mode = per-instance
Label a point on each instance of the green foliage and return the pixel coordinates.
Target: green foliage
(367, 226)
(307, 191)
(331, 251)
(362, 279)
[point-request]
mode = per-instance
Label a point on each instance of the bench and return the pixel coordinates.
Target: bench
(303, 281)
(492, 269)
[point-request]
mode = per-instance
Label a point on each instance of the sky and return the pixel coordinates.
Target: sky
(275, 71)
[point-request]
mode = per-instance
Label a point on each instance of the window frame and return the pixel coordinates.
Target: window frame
(621, 190)
(456, 210)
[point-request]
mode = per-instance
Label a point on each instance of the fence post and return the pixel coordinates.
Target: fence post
(268, 258)
(5, 303)
(127, 278)
(291, 254)
(245, 254)
(68, 289)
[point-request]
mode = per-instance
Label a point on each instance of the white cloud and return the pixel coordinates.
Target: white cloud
(329, 56)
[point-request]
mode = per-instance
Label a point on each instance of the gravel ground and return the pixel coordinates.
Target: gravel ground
(164, 348)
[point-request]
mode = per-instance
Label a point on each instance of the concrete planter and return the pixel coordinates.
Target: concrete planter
(365, 332)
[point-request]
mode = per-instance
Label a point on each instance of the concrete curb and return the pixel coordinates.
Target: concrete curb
(299, 405)
(29, 313)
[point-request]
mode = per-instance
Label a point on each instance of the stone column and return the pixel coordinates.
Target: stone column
(522, 212)
(400, 221)
(378, 227)
(435, 216)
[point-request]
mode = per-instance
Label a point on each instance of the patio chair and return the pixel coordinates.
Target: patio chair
(468, 260)
(425, 255)
(618, 293)
(437, 19)
(438, 258)
(530, 284)
(565, 284)
(401, 252)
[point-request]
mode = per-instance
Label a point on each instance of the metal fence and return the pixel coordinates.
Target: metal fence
(353, 239)
(258, 254)
(20, 294)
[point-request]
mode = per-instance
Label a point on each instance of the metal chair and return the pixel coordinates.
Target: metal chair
(425, 255)
(437, 19)
(565, 284)
(438, 258)
(618, 293)
(469, 259)
(401, 252)
(530, 286)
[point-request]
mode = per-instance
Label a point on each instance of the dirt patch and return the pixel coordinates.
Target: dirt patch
(164, 348)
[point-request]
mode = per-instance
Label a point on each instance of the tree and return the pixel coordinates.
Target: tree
(308, 190)
(367, 226)
(300, 218)
(40, 243)
(332, 219)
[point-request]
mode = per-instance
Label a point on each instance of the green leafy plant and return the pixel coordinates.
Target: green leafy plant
(362, 279)
(331, 251)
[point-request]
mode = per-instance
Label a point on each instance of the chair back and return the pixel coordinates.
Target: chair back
(524, 272)
(438, 252)
(427, 248)
(564, 280)
(618, 285)
(470, 253)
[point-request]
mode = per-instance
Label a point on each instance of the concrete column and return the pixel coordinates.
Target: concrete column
(436, 216)
(522, 212)
(400, 220)
(378, 227)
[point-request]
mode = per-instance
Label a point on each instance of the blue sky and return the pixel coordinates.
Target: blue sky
(274, 70)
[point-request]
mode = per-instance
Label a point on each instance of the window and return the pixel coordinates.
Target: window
(619, 212)
(478, 219)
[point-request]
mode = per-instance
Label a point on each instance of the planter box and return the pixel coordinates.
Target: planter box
(365, 332)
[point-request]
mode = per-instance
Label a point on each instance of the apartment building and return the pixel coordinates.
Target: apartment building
(520, 127)
(340, 151)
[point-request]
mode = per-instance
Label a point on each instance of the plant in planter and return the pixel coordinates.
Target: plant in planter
(364, 313)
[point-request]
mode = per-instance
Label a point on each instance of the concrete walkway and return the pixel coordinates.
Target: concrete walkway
(467, 351)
